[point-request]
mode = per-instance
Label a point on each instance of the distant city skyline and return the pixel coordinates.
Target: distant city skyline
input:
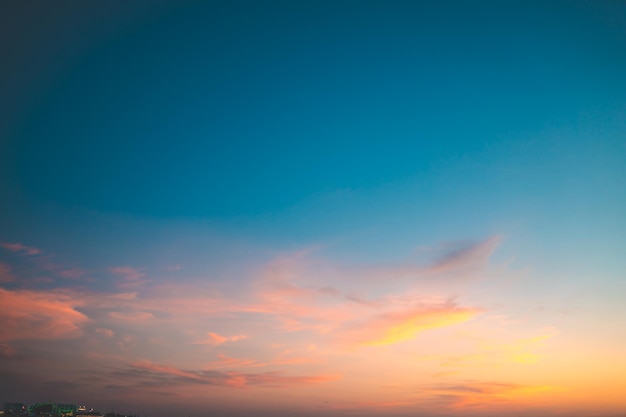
(54, 409)
(314, 208)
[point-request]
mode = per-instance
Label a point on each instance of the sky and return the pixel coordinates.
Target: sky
(314, 208)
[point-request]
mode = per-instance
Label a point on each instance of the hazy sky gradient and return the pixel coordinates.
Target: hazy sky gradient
(314, 208)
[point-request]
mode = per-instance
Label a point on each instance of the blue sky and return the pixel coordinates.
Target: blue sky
(476, 147)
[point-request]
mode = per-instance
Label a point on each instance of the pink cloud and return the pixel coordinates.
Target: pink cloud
(39, 315)
(19, 248)
(281, 294)
(353, 320)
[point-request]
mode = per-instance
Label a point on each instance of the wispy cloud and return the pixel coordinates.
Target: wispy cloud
(234, 363)
(217, 339)
(19, 248)
(521, 350)
(130, 277)
(467, 256)
(393, 328)
(266, 324)
(464, 395)
(176, 376)
(357, 320)
(477, 394)
(496, 353)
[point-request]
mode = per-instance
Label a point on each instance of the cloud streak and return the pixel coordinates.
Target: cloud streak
(175, 376)
(21, 249)
(129, 277)
(478, 394)
(216, 339)
(394, 328)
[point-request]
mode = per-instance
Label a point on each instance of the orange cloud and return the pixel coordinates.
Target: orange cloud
(216, 339)
(38, 315)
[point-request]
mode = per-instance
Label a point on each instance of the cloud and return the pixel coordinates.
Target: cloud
(38, 315)
(162, 369)
(290, 304)
(495, 353)
(292, 294)
(478, 394)
(276, 379)
(471, 256)
(216, 339)
(462, 395)
(393, 328)
(130, 277)
(163, 375)
(520, 351)
(355, 320)
(228, 362)
(19, 248)
(128, 272)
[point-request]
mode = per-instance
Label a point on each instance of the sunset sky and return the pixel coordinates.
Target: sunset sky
(314, 208)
